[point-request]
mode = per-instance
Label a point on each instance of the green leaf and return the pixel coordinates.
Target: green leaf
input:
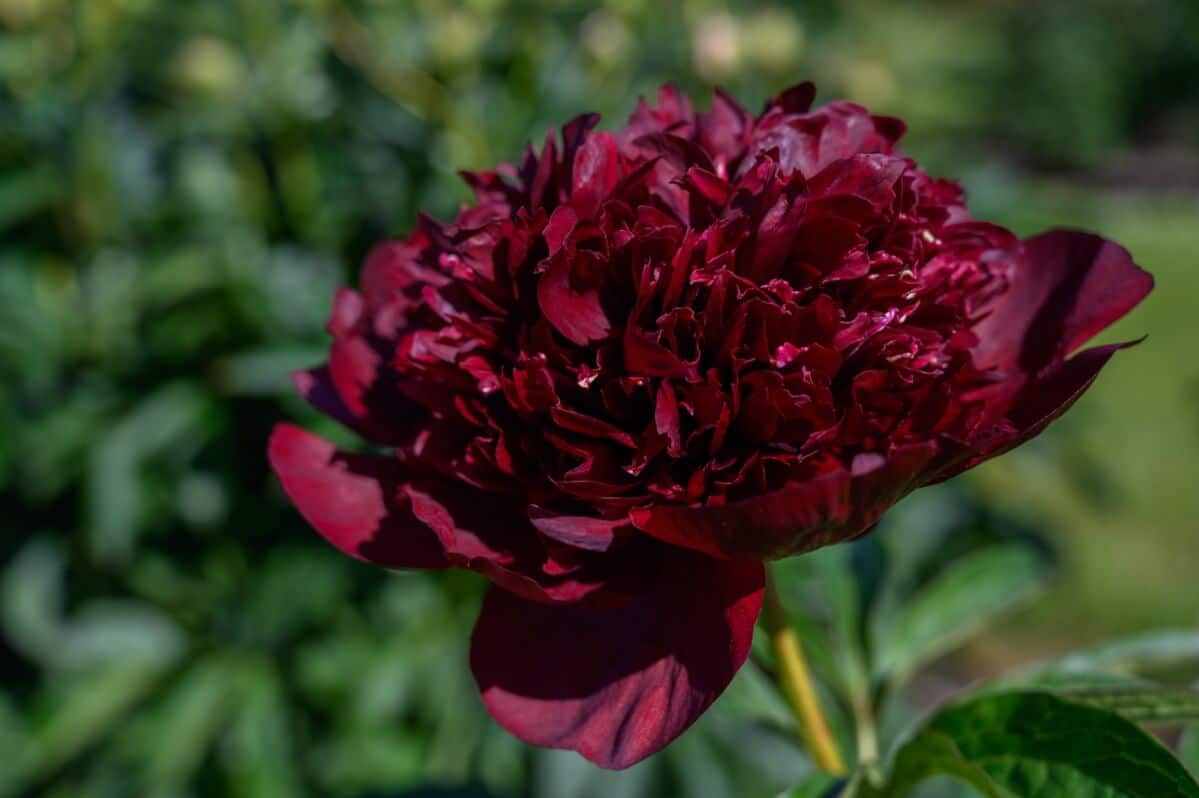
(13, 736)
(33, 318)
(931, 753)
(118, 630)
(53, 446)
(364, 758)
(818, 785)
(27, 192)
(753, 696)
(1141, 704)
(501, 762)
(259, 753)
(563, 773)
(160, 422)
(963, 597)
(1032, 744)
(1188, 748)
(1166, 654)
(178, 732)
(765, 759)
(31, 599)
(1054, 681)
(83, 712)
(697, 764)
(277, 609)
(263, 372)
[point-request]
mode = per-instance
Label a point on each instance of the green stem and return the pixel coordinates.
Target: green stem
(867, 736)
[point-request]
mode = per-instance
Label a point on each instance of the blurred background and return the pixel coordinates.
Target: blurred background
(184, 185)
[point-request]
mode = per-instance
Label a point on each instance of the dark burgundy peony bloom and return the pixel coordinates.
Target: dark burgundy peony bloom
(647, 360)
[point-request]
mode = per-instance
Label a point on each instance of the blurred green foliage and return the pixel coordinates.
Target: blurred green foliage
(182, 187)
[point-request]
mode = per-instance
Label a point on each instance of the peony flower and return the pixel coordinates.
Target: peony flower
(647, 360)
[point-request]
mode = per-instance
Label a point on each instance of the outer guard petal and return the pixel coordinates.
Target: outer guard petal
(1038, 404)
(1072, 286)
(352, 501)
(618, 684)
(1044, 400)
(381, 510)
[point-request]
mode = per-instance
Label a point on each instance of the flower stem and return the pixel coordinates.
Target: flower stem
(796, 684)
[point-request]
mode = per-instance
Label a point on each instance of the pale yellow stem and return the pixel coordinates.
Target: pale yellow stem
(796, 684)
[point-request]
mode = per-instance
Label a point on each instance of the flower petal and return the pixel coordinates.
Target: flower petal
(392, 514)
(357, 387)
(795, 99)
(1038, 404)
(1042, 401)
(581, 532)
(596, 172)
(352, 501)
(354, 368)
(832, 508)
(492, 534)
(316, 386)
(578, 315)
(1072, 286)
(617, 684)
